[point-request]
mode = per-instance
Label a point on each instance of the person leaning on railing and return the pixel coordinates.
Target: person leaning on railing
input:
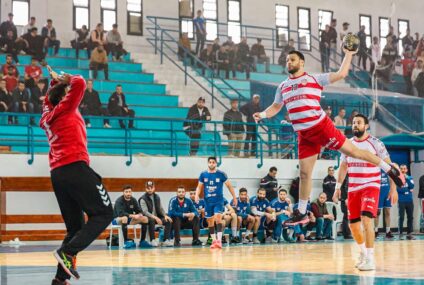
(207, 57)
(234, 129)
(193, 124)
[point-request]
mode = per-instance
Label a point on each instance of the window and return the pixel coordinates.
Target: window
(403, 26)
(304, 28)
(81, 14)
(210, 12)
(186, 14)
(324, 18)
(234, 20)
(108, 10)
(282, 24)
(383, 31)
(20, 10)
(365, 20)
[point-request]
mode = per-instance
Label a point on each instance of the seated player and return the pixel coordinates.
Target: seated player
(244, 218)
(385, 205)
(260, 207)
(200, 207)
(229, 217)
(281, 206)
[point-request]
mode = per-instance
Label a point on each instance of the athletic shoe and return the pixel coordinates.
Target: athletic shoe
(389, 235)
(129, 244)
(224, 239)
(246, 240)
(397, 177)
(361, 260)
(268, 239)
(167, 243)
(274, 240)
(296, 219)
(68, 263)
(401, 236)
(410, 237)
(210, 240)
(177, 244)
(144, 244)
(196, 243)
(218, 244)
(58, 282)
(329, 238)
(107, 126)
(234, 240)
(214, 244)
(319, 238)
(310, 238)
(154, 243)
(348, 237)
(256, 240)
(367, 265)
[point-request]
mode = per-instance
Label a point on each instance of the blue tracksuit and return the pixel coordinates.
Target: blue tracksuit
(279, 206)
(406, 204)
(383, 202)
(213, 188)
(261, 205)
(405, 192)
(176, 209)
(243, 208)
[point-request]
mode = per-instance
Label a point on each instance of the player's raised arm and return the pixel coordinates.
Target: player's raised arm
(344, 67)
(269, 112)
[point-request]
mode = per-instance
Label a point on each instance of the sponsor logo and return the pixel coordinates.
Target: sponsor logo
(371, 200)
(331, 142)
(217, 180)
(304, 81)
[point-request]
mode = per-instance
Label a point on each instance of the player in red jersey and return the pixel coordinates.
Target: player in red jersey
(363, 190)
(77, 187)
(301, 93)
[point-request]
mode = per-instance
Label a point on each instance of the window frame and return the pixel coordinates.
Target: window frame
(370, 20)
(408, 27)
(320, 29)
(211, 20)
(231, 21)
(29, 10)
(277, 27)
(309, 24)
(381, 38)
(181, 19)
(108, 9)
(74, 9)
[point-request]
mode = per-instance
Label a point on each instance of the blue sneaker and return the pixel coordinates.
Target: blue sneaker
(129, 244)
(144, 244)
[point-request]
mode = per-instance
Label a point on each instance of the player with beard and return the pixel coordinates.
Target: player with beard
(301, 93)
(363, 190)
(212, 183)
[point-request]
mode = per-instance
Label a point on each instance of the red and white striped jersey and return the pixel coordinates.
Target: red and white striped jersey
(302, 96)
(363, 174)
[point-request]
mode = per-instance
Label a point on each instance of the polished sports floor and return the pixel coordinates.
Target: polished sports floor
(398, 262)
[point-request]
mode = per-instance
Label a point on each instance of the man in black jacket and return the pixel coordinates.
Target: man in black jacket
(49, 32)
(35, 44)
(243, 59)
(193, 124)
(118, 107)
(91, 105)
(343, 204)
(38, 95)
(270, 184)
(223, 62)
(251, 136)
(234, 129)
(21, 100)
(5, 98)
(8, 26)
(329, 183)
(128, 212)
(421, 196)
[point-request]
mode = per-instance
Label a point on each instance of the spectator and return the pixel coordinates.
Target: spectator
(114, 43)
(363, 49)
(248, 110)
(260, 207)
(96, 38)
(200, 29)
(375, 53)
(415, 72)
(207, 57)
(328, 111)
(390, 54)
(8, 26)
(10, 46)
(384, 205)
(98, 61)
(223, 62)
(152, 208)
(49, 33)
(194, 123)
(392, 36)
(329, 183)
(229, 218)
(340, 120)
(243, 58)
(324, 47)
(231, 50)
(419, 84)
(34, 44)
(259, 56)
(184, 216)
(81, 40)
(343, 33)
(284, 52)
(281, 206)
(200, 207)
(92, 106)
(294, 189)
(33, 73)
(38, 96)
(234, 128)
(5, 98)
(184, 43)
(21, 101)
(421, 57)
(416, 41)
(349, 122)
(333, 41)
(8, 64)
(324, 220)
(270, 184)
(408, 41)
(407, 67)
(118, 107)
(216, 46)
(28, 27)
(406, 204)
(11, 79)
(128, 212)
(244, 217)
(347, 235)
(421, 197)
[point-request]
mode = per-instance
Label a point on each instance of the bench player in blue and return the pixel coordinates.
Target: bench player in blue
(212, 183)
(244, 218)
(385, 205)
(261, 207)
(281, 206)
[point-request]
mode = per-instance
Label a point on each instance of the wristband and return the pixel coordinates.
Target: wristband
(262, 115)
(338, 185)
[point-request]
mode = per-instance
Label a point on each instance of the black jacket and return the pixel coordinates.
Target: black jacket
(344, 188)
(19, 96)
(149, 204)
(329, 186)
(7, 99)
(7, 26)
(248, 110)
(193, 115)
(113, 104)
(294, 189)
(45, 32)
(124, 208)
(243, 54)
(235, 122)
(36, 93)
(270, 184)
(421, 188)
(92, 100)
(36, 43)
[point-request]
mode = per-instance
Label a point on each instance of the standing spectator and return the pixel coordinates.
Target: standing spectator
(194, 123)
(115, 43)
(259, 56)
(421, 196)
(333, 41)
(10, 46)
(21, 101)
(28, 27)
(415, 72)
(340, 121)
(419, 84)
(8, 26)
(5, 98)
(389, 55)
(216, 46)
(363, 49)
(11, 79)
(270, 184)
(37, 96)
(324, 47)
(9, 64)
(407, 67)
(329, 112)
(384, 205)
(243, 58)
(207, 57)
(294, 189)
(223, 62)
(248, 110)
(392, 36)
(416, 41)
(349, 122)
(97, 38)
(91, 105)
(406, 204)
(98, 61)
(200, 29)
(35, 44)
(234, 128)
(118, 107)
(343, 33)
(184, 216)
(324, 220)
(329, 183)
(284, 52)
(49, 32)
(152, 208)
(343, 205)
(375, 54)
(81, 40)
(408, 41)
(33, 73)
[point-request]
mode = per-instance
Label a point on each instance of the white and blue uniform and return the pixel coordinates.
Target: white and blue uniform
(213, 183)
(279, 206)
(383, 202)
(261, 206)
(242, 209)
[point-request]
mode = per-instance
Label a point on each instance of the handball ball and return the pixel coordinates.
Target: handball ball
(351, 42)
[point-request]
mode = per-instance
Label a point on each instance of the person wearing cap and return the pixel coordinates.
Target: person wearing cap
(114, 43)
(151, 207)
(8, 26)
(343, 33)
(234, 128)
(197, 114)
(248, 110)
(259, 56)
(49, 32)
(35, 44)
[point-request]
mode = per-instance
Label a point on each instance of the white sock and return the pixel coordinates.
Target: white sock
(376, 229)
(238, 233)
(385, 166)
(370, 253)
(387, 229)
(363, 248)
(247, 233)
(219, 236)
(302, 206)
(234, 232)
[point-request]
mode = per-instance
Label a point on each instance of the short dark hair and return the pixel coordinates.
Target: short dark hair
(33, 29)
(212, 158)
(118, 85)
(114, 25)
(127, 186)
(242, 190)
(56, 93)
(282, 190)
(181, 187)
(363, 117)
(298, 53)
(261, 189)
(90, 80)
(21, 82)
(330, 167)
(8, 55)
(272, 169)
(49, 21)
(32, 18)
(34, 58)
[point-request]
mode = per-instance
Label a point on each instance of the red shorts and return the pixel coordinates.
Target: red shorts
(364, 200)
(324, 134)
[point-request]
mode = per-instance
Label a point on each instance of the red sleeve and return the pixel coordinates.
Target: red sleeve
(315, 210)
(27, 71)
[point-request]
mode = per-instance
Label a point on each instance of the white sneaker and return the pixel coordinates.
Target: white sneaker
(168, 243)
(361, 260)
(274, 241)
(154, 243)
(268, 240)
(256, 241)
(107, 126)
(367, 265)
(246, 240)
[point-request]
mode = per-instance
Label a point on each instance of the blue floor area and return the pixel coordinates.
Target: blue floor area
(11, 275)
